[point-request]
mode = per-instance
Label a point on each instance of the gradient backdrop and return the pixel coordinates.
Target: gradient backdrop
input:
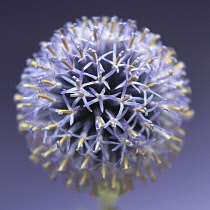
(184, 25)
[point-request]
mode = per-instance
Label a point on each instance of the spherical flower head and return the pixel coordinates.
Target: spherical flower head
(103, 103)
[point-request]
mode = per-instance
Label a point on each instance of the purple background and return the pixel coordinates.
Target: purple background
(184, 25)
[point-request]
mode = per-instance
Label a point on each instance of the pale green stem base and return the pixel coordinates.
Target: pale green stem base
(108, 199)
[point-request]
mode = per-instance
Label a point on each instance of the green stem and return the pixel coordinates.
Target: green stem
(108, 199)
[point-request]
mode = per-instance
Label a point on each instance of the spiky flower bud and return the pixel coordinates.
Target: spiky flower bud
(103, 102)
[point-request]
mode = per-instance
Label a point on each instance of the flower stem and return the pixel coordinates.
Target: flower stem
(108, 199)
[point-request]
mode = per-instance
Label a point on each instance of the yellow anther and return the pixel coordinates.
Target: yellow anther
(22, 105)
(148, 126)
(51, 126)
(137, 151)
(186, 90)
(150, 61)
(171, 61)
(84, 178)
(36, 64)
(18, 97)
(69, 182)
(97, 146)
(78, 84)
(95, 36)
(151, 173)
(138, 174)
(113, 24)
(85, 161)
(140, 110)
(121, 29)
(47, 164)
(189, 113)
(105, 20)
(179, 65)
(125, 98)
(132, 132)
(24, 126)
(62, 111)
(170, 73)
(131, 40)
(185, 109)
(72, 27)
(161, 51)
(168, 55)
(31, 86)
(63, 164)
(38, 149)
(34, 158)
(80, 142)
(177, 139)
(143, 153)
(47, 82)
(150, 85)
(175, 108)
(104, 171)
(131, 23)
(133, 78)
(125, 162)
(59, 31)
(94, 55)
(44, 96)
(113, 181)
(80, 94)
(36, 128)
(133, 63)
(164, 133)
(95, 20)
(113, 122)
(65, 43)
(164, 107)
(80, 51)
(100, 122)
(178, 85)
(173, 146)
(20, 117)
(67, 64)
(179, 130)
(154, 40)
(32, 62)
(51, 50)
(85, 20)
(156, 158)
(99, 78)
(119, 57)
(41, 66)
(61, 141)
(145, 31)
(166, 163)
(49, 151)
(28, 105)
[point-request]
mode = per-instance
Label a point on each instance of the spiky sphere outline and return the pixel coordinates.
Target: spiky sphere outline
(103, 102)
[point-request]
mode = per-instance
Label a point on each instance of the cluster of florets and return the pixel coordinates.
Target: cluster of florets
(103, 102)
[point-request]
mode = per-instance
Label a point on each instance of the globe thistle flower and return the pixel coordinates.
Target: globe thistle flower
(103, 103)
